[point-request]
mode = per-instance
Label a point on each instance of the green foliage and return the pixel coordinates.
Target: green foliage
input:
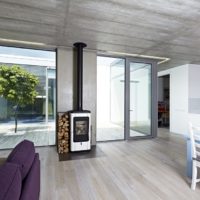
(17, 85)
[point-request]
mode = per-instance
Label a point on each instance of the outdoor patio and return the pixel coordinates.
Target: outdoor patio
(40, 133)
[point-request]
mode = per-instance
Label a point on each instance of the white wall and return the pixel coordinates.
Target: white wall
(179, 99)
(65, 83)
(194, 94)
(184, 97)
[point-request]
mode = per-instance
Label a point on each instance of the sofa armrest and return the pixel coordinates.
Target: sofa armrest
(10, 182)
(31, 184)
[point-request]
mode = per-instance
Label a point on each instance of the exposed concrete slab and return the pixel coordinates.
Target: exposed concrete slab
(168, 28)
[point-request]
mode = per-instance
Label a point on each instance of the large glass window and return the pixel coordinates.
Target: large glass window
(35, 121)
(110, 98)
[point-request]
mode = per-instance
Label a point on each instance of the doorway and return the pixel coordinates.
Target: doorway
(126, 98)
(164, 101)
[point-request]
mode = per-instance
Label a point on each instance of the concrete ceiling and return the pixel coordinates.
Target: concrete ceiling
(152, 27)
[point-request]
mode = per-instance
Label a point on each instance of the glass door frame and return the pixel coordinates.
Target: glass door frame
(154, 107)
(154, 112)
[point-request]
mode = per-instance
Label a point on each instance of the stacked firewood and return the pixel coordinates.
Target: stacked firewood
(63, 133)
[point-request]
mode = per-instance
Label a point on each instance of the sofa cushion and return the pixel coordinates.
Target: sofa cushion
(23, 155)
(31, 184)
(10, 181)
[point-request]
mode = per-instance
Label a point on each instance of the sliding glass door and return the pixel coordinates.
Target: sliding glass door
(126, 98)
(140, 99)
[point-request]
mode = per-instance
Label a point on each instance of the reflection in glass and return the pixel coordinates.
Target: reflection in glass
(81, 127)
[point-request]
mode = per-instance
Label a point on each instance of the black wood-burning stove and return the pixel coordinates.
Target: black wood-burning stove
(80, 120)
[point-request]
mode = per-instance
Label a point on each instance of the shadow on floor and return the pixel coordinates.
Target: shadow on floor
(93, 153)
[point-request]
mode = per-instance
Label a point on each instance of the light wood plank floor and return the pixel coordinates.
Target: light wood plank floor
(136, 170)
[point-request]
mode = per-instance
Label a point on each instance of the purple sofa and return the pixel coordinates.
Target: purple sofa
(20, 174)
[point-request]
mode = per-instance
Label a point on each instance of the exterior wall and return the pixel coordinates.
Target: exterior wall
(66, 86)
(3, 110)
(43, 73)
(25, 60)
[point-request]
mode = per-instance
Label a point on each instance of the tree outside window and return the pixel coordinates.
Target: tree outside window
(18, 86)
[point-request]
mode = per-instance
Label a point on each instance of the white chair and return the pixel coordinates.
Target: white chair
(195, 148)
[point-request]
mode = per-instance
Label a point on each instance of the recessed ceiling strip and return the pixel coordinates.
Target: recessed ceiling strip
(161, 59)
(21, 42)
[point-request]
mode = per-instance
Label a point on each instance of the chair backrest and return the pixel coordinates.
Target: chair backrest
(195, 140)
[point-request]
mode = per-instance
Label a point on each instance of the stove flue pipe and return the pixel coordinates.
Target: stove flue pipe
(79, 50)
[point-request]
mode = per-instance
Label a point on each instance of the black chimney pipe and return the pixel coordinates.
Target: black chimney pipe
(79, 48)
